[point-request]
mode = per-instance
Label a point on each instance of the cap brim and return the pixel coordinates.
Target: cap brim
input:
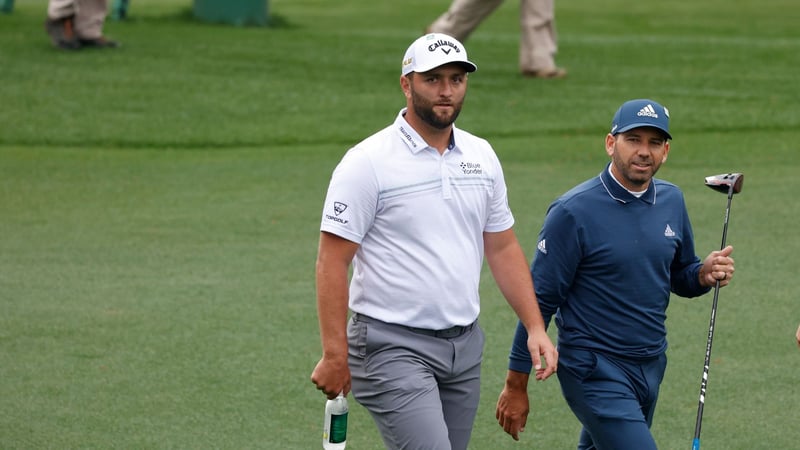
(468, 66)
(640, 125)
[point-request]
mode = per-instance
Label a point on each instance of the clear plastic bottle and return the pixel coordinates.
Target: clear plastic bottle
(334, 433)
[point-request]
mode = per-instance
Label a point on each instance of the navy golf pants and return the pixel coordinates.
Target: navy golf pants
(613, 398)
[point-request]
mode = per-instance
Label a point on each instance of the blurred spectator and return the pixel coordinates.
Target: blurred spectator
(537, 44)
(119, 10)
(798, 336)
(7, 6)
(76, 24)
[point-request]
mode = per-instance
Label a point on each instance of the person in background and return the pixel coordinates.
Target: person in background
(7, 6)
(538, 39)
(415, 208)
(609, 254)
(797, 335)
(77, 24)
(119, 9)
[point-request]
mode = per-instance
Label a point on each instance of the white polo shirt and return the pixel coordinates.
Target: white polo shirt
(419, 218)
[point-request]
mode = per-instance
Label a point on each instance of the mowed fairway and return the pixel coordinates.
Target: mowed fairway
(160, 208)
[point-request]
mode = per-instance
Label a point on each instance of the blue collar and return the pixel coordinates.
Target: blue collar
(620, 194)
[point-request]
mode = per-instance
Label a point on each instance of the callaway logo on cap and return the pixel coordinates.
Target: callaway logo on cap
(434, 50)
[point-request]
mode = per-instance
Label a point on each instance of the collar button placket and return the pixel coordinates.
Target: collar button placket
(445, 176)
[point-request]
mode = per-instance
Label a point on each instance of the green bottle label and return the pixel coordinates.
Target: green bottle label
(338, 428)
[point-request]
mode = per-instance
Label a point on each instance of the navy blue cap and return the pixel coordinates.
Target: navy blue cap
(641, 113)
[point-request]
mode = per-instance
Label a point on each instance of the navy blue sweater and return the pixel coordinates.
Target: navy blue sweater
(605, 265)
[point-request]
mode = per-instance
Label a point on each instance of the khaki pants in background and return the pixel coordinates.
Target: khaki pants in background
(537, 45)
(90, 15)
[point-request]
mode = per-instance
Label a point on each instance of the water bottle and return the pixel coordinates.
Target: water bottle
(334, 432)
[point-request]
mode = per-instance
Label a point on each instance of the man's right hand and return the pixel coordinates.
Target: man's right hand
(512, 406)
(332, 376)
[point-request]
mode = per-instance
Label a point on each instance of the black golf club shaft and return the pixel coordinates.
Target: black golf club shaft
(704, 382)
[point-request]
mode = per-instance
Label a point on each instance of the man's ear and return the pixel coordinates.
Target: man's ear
(405, 85)
(610, 141)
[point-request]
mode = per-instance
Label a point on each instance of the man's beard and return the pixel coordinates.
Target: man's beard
(424, 110)
(631, 176)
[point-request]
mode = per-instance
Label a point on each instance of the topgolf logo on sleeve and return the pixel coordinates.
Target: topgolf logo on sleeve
(338, 208)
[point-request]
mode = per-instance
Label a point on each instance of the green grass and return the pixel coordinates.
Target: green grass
(160, 207)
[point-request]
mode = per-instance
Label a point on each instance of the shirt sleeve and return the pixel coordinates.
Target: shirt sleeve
(500, 216)
(351, 201)
(520, 358)
(685, 267)
(558, 253)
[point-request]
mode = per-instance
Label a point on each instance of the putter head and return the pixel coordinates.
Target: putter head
(725, 182)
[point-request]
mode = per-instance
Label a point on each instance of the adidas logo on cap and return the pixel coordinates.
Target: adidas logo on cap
(648, 111)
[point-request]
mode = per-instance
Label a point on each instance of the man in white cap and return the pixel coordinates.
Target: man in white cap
(415, 208)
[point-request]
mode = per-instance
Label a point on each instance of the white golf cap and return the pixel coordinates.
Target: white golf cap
(434, 50)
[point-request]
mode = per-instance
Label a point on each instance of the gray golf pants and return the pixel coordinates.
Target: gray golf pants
(421, 389)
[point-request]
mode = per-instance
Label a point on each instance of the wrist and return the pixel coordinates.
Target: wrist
(701, 276)
(335, 352)
(534, 326)
(517, 380)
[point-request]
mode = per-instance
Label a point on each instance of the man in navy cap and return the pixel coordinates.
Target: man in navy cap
(609, 254)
